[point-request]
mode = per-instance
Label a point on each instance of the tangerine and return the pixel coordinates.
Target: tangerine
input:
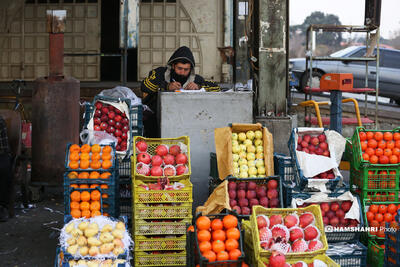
(85, 196)
(104, 196)
(73, 165)
(84, 164)
(363, 146)
(95, 205)
(396, 151)
(390, 144)
(370, 216)
(84, 205)
(383, 159)
(95, 195)
(75, 213)
(94, 185)
(203, 223)
(378, 136)
(372, 143)
(74, 205)
(72, 175)
(387, 152)
(388, 217)
(382, 209)
(74, 148)
(370, 135)
(210, 255)
(378, 217)
(106, 164)
(388, 136)
(86, 213)
(231, 244)
(106, 156)
(74, 156)
(107, 149)
(373, 159)
(392, 208)
(230, 221)
(365, 156)
(233, 233)
(83, 186)
(203, 235)
(217, 224)
(219, 235)
(75, 196)
(222, 256)
(85, 148)
(95, 213)
(104, 186)
(363, 136)
(96, 156)
(105, 175)
(74, 186)
(218, 246)
(396, 136)
(370, 151)
(96, 148)
(393, 159)
(374, 208)
(204, 246)
(83, 175)
(235, 254)
(94, 175)
(85, 156)
(95, 165)
(379, 151)
(382, 144)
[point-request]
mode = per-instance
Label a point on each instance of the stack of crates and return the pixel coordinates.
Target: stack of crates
(392, 243)
(124, 163)
(103, 179)
(375, 183)
(160, 216)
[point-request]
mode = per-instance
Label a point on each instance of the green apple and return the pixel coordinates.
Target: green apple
(234, 136)
(242, 155)
(258, 142)
(259, 149)
(236, 149)
(235, 143)
(251, 163)
(253, 171)
(259, 163)
(243, 175)
(235, 165)
(242, 162)
(247, 142)
(235, 157)
(242, 136)
(250, 156)
(251, 149)
(244, 168)
(259, 155)
(258, 134)
(261, 170)
(250, 135)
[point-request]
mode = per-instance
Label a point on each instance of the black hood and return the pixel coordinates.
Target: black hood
(182, 52)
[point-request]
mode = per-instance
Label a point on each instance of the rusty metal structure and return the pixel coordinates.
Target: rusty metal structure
(55, 110)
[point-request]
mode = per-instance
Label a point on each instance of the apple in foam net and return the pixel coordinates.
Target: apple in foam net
(117, 117)
(181, 169)
(169, 171)
(111, 122)
(97, 113)
(104, 118)
(322, 138)
(124, 136)
(118, 133)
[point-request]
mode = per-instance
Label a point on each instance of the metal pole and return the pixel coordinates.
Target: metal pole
(366, 77)
(377, 78)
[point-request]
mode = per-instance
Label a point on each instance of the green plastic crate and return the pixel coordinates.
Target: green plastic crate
(376, 254)
(375, 178)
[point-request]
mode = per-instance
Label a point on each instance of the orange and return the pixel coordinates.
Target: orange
(105, 205)
(393, 159)
(396, 136)
(96, 156)
(387, 152)
(378, 217)
(84, 164)
(74, 156)
(203, 235)
(96, 148)
(95, 165)
(379, 151)
(218, 246)
(85, 196)
(230, 221)
(106, 214)
(94, 175)
(363, 136)
(203, 223)
(107, 150)
(106, 156)
(74, 205)
(72, 175)
(222, 256)
(233, 233)
(397, 143)
(104, 196)
(231, 244)
(390, 144)
(370, 216)
(365, 156)
(83, 175)
(210, 255)
(234, 254)
(204, 246)
(370, 151)
(83, 186)
(74, 186)
(85, 213)
(75, 213)
(371, 143)
(74, 148)
(84, 205)
(85, 148)
(373, 159)
(383, 159)
(105, 175)
(95, 205)
(382, 144)
(95, 195)
(370, 135)
(392, 208)
(75, 196)
(96, 213)
(217, 224)
(388, 136)
(378, 136)
(218, 235)
(104, 186)
(85, 156)
(94, 185)
(73, 164)
(388, 217)
(190, 229)
(382, 209)
(396, 151)
(106, 164)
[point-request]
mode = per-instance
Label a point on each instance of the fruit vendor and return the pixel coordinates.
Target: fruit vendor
(178, 74)
(5, 171)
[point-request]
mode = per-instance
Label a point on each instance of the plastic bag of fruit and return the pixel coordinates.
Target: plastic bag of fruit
(122, 92)
(97, 137)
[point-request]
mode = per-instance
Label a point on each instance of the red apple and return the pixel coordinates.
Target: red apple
(125, 129)
(169, 171)
(124, 120)
(105, 110)
(118, 125)
(334, 206)
(111, 122)
(117, 118)
(124, 136)
(307, 138)
(110, 129)
(110, 108)
(111, 115)
(119, 139)
(104, 117)
(325, 206)
(141, 146)
(117, 111)
(299, 140)
(103, 126)
(117, 133)
(326, 153)
(182, 169)
(97, 128)
(321, 138)
(323, 146)
(98, 105)
(97, 113)
(315, 141)
(305, 150)
(304, 144)
(96, 121)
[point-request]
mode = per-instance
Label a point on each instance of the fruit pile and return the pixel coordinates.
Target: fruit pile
(89, 263)
(85, 204)
(333, 213)
(277, 259)
(165, 161)
(378, 215)
(244, 195)
(248, 154)
(293, 233)
(98, 237)
(110, 119)
(380, 148)
(90, 157)
(218, 240)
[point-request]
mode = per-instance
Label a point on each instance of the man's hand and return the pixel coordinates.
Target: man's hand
(174, 86)
(192, 86)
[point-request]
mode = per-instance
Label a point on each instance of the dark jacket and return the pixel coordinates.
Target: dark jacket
(160, 77)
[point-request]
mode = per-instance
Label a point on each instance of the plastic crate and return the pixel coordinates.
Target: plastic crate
(152, 145)
(173, 258)
(328, 261)
(124, 167)
(284, 167)
(143, 227)
(376, 254)
(248, 243)
(125, 188)
(358, 160)
(366, 204)
(300, 180)
(258, 181)
(112, 180)
(375, 178)
(190, 262)
(350, 236)
(144, 243)
(348, 151)
(348, 254)
(177, 211)
(314, 209)
(202, 261)
(163, 196)
(125, 209)
(113, 160)
(213, 165)
(213, 183)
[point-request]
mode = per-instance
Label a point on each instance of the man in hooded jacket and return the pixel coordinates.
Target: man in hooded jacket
(178, 74)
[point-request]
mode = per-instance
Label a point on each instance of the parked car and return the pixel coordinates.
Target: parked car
(389, 70)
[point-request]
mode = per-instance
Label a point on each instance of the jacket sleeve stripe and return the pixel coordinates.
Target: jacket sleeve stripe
(150, 85)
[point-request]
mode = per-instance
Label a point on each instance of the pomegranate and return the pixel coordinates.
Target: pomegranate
(181, 159)
(141, 146)
(144, 157)
(174, 150)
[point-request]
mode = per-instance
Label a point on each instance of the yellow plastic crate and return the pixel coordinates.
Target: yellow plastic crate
(314, 209)
(143, 243)
(178, 211)
(142, 227)
(152, 144)
(328, 261)
(169, 259)
(163, 196)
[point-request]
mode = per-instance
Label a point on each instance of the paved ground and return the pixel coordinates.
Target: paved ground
(30, 239)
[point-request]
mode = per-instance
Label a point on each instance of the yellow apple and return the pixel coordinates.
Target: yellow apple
(253, 171)
(259, 155)
(258, 134)
(243, 175)
(261, 170)
(236, 149)
(259, 163)
(251, 163)
(242, 162)
(236, 172)
(243, 147)
(244, 168)
(259, 149)
(242, 154)
(250, 156)
(234, 136)
(247, 142)
(251, 149)
(235, 157)
(258, 142)
(235, 165)
(235, 143)
(242, 136)
(250, 135)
